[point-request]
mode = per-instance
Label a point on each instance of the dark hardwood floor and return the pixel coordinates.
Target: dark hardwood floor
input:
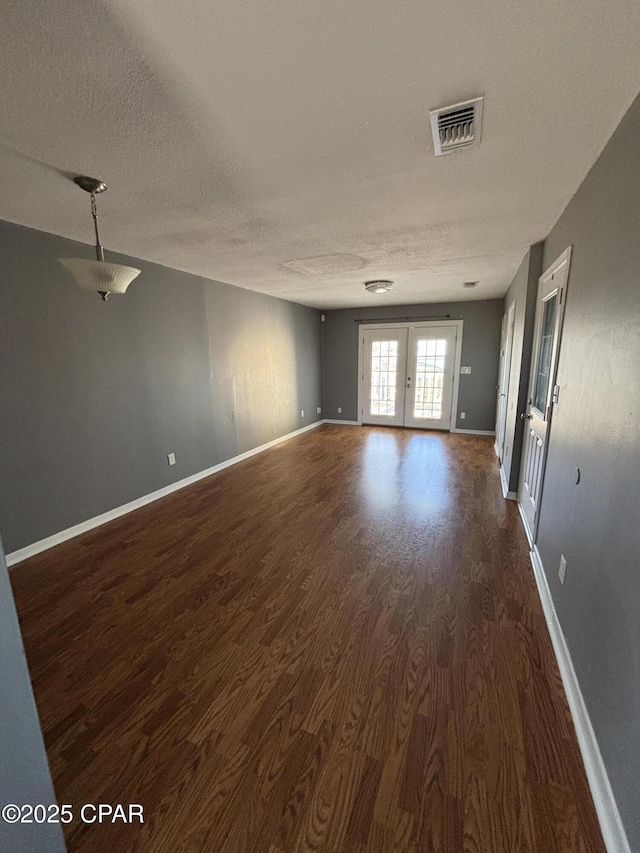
(336, 645)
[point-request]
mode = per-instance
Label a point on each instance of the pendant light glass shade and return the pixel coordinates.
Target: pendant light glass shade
(99, 275)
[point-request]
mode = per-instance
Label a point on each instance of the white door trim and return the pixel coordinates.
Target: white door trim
(510, 496)
(502, 408)
(421, 324)
(525, 523)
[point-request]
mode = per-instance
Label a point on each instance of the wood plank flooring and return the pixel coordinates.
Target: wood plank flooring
(336, 645)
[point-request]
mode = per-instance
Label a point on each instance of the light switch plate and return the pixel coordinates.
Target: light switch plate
(171, 458)
(465, 370)
(562, 571)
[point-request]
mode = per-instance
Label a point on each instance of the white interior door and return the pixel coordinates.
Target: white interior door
(506, 350)
(550, 304)
(385, 363)
(429, 385)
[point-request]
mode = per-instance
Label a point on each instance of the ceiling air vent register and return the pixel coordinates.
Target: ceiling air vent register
(455, 127)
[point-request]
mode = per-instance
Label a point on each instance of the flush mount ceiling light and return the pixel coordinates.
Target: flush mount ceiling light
(98, 275)
(381, 285)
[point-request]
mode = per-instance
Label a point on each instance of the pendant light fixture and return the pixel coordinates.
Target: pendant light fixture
(98, 275)
(382, 285)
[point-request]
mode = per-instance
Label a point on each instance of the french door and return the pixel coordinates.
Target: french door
(385, 371)
(543, 392)
(408, 375)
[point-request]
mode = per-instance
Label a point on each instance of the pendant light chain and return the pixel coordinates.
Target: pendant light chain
(94, 213)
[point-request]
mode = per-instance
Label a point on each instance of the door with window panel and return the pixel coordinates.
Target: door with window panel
(385, 360)
(429, 383)
(542, 392)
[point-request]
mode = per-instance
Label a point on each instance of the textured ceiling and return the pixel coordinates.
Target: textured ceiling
(284, 146)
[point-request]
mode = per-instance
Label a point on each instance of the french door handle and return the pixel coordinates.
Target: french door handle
(524, 417)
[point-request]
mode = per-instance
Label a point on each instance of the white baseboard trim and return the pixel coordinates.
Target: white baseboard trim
(110, 515)
(613, 832)
(510, 496)
(474, 431)
(345, 423)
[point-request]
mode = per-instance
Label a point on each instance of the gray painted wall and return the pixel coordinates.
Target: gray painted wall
(522, 291)
(96, 394)
(24, 771)
(596, 426)
(480, 350)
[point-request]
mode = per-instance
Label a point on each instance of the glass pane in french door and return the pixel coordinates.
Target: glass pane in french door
(543, 368)
(384, 368)
(431, 357)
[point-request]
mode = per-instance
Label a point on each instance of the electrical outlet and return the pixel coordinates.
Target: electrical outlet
(562, 571)
(301, 413)
(318, 409)
(339, 410)
(463, 415)
(171, 458)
